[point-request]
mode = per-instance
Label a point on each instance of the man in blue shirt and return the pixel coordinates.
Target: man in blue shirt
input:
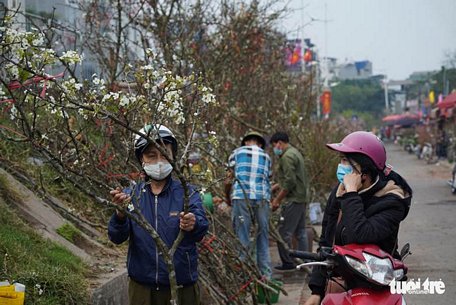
(250, 196)
(161, 201)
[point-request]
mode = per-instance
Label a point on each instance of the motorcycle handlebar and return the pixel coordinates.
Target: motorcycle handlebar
(306, 255)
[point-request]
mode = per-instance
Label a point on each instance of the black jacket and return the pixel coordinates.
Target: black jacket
(369, 217)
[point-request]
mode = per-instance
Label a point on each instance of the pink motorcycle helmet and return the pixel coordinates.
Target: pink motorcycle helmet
(365, 143)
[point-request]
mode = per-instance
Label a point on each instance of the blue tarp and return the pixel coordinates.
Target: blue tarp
(360, 65)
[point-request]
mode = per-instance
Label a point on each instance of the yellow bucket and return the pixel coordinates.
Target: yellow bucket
(12, 294)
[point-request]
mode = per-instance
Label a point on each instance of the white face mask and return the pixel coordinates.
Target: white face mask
(158, 171)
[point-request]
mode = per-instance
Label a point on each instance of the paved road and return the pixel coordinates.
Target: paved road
(430, 226)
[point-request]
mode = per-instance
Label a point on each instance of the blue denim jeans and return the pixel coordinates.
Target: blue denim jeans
(243, 212)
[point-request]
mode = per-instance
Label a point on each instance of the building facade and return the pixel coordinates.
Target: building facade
(355, 70)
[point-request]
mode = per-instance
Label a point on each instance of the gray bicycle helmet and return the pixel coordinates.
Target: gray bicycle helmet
(159, 133)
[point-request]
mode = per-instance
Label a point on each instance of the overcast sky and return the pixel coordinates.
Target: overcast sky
(398, 36)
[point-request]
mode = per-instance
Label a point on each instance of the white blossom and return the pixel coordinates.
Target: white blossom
(98, 82)
(150, 52)
(162, 81)
(24, 42)
(13, 112)
(155, 74)
(13, 70)
(71, 85)
(147, 68)
(71, 57)
(208, 98)
(110, 96)
(125, 100)
(38, 41)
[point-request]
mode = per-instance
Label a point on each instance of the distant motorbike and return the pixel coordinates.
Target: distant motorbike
(427, 152)
(411, 146)
(417, 150)
(367, 267)
(452, 181)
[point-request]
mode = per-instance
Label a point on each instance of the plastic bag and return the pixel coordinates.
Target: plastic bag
(315, 213)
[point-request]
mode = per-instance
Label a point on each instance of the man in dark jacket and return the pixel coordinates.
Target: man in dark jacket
(366, 207)
(161, 200)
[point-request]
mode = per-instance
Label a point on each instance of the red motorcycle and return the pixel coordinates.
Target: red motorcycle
(367, 269)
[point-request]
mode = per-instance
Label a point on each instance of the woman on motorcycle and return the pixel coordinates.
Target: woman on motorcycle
(367, 205)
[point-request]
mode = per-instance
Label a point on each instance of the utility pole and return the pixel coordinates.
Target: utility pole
(318, 91)
(319, 69)
(444, 82)
(385, 85)
(326, 92)
(326, 36)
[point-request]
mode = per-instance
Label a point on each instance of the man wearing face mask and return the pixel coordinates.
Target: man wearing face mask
(291, 188)
(365, 208)
(250, 196)
(161, 200)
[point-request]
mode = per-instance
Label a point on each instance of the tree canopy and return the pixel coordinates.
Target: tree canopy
(359, 96)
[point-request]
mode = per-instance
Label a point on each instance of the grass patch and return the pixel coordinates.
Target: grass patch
(10, 193)
(51, 273)
(69, 232)
(46, 176)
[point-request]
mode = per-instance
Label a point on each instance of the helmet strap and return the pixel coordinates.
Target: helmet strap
(388, 169)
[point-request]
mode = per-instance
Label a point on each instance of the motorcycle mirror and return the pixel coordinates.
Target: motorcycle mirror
(405, 251)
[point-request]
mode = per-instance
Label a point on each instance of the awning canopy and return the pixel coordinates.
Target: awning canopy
(391, 118)
(448, 102)
(405, 119)
(408, 120)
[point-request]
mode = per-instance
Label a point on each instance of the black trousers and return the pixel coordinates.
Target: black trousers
(144, 295)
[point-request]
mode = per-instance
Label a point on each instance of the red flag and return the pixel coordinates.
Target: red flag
(325, 100)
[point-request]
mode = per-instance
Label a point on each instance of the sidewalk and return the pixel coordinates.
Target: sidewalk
(294, 282)
(429, 227)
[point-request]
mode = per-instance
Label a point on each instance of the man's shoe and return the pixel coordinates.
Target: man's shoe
(285, 268)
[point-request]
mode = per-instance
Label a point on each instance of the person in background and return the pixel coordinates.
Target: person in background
(250, 197)
(291, 189)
